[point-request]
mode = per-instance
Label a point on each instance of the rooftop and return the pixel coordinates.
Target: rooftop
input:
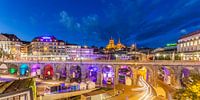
(191, 34)
(11, 37)
(17, 85)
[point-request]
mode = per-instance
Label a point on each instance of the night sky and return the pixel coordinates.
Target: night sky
(149, 23)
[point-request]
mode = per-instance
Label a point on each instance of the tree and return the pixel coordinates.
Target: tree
(191, 90)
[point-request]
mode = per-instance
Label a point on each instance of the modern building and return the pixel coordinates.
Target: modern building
(50, 48)
(10, 44)
(24, 47)
(76, 52)
(45, 48)
(169, 52)
(189, 46)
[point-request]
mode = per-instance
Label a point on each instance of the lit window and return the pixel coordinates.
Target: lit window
(188, 43)
(181, 45)
(195, 42)
(191, 43)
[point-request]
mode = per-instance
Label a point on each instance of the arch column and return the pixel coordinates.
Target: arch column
(134, 78)
(67, 72)
(177, 73)
(154, 76)
(99, 75)
(83, 72)
(116, 69)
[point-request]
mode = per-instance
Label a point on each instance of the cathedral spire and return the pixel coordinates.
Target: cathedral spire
(119, 41)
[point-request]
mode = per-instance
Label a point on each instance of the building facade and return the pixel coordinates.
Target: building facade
(189, 46)
(10, 45)
(50, 48)
(76, 52)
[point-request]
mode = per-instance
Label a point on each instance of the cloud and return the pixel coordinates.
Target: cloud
(138, 20)
(66, 20)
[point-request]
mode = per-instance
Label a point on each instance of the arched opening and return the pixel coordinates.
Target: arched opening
(48, 72)
(63, 73)
(125, 75)
(12, 69)
(24, 70)
(75, 74)
(185, 73)
(108, 75)
(92, 73)
(3, 69)
(35, 70)
(165, 75)
(143, 72)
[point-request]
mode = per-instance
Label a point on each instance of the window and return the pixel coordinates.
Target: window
(191, 43)
(188, 43)
(195, 42)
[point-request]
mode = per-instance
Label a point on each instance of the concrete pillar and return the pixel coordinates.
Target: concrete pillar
(68, 72)
(116, 78)
(134, 78)
(100, 75)
(83, 72)
(177, 75)
(154, 76)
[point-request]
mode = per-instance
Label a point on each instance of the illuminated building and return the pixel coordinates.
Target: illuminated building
(45, 48)
(47, 45)
(111, 45)
(24, 48)
(10, 44)
(76, 52)
(169, 52)
(189, 46)
(119, 45)
(50, 48)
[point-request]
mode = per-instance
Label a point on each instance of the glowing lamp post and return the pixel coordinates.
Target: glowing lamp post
(164, 56)
(157, 56)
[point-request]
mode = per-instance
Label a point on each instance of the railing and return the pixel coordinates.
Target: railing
(118, 62)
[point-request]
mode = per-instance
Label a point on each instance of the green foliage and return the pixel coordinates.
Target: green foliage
(192, 89)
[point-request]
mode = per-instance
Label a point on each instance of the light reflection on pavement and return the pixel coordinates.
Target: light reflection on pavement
(142, 92)
(147, 90)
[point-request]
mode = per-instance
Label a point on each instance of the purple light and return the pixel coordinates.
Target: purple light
(75, 72)
(124, 71)
(93, 73)
(185, 72)
(45, 37)
(167, 72)
(34, 69)
(108, 74)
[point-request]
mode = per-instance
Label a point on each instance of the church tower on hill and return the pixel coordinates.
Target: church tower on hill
(111, 45)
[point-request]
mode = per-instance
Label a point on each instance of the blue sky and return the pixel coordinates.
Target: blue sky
(149, 23)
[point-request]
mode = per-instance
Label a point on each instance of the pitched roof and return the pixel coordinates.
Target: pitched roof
(11, 37)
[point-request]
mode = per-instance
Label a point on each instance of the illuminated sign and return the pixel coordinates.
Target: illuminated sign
(171, 44)
(45, 37)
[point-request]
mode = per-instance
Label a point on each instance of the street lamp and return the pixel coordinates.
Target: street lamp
(157, 56)
(181, 56)
(164, 56)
